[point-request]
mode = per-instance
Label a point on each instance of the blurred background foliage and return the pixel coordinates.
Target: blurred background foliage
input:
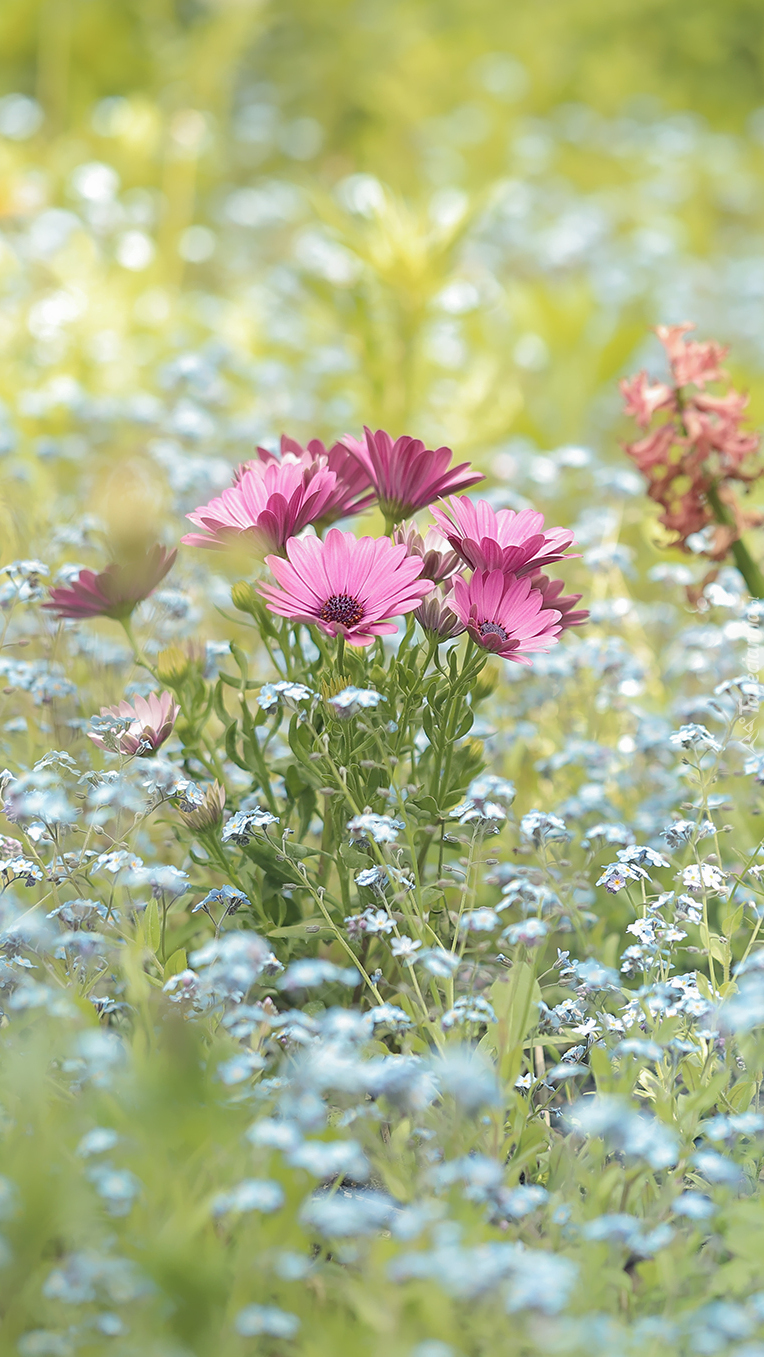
(572, 174)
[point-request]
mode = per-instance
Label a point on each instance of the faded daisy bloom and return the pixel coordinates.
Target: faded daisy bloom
(268, 505)
(515, 543)
(346, 585)
(436, 615)
(353, 491)
(116, 591)
(405, 474)
(151, 723)
(505, 615)
(438, 561)
(208, 812)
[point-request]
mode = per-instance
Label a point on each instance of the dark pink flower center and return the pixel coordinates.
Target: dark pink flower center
(492, 629)
(342, 608)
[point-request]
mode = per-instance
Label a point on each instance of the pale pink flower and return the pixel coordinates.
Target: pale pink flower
(346, 585)
(151, 723)
(690, 361)
(116, 591)
(714, 426)
(265, 508)
(505, 615)
(513, 542)
(653, 450)
(353, 490)
(643, 397)
(405, 474)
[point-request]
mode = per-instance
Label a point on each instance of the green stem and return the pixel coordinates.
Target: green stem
(743, 559)
(261, 768)
(340, 654)
(139, 657)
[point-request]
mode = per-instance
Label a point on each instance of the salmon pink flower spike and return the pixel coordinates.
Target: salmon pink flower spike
(346, 585)
(406, 475)
(697, 455)
(353, 491)
(268, 505)
(643, 397)
(117, 591)
(691, 362)
(513, 542)
(151, 723)
(505, 615)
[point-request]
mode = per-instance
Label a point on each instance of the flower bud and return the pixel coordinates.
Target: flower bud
(173, 665)
(244, 597)
(179, 662)
(486, 683)
(439, 562)
(436, 618)
(209, 813)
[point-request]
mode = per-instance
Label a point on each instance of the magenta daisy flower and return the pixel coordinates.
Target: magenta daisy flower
(151, 723)
(504, 614)
(117, 591)
(514, 543)
(565, 604)
(268, 505)
(346, 585)
(353, 490)
(405, 474)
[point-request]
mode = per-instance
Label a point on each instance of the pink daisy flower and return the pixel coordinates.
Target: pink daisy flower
(265, 508)
(353, 491)
(564, 604)
(151, 723)
(514, 543)
(117, 591)
(405, 474)
(346, 585)
(504, 614)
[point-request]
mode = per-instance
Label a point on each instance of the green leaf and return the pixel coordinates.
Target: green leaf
(219, 704)
(176, 963)
(237, 683)
(317, 927)
(515, 1003)
(151, 926)
(353, 858)
(732, 920)
(241, 661)
(426, 804)
(230, 746)
(704, 987)
(741, 1095)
